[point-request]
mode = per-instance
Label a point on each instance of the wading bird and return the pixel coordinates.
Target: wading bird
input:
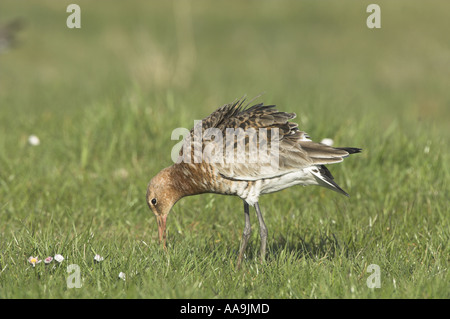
(223, 155)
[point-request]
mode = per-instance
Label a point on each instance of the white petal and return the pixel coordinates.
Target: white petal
(327, 141)
(98, 258)
(34, 140)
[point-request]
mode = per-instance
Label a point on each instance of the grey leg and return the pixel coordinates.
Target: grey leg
(262, 231)
(245, 235)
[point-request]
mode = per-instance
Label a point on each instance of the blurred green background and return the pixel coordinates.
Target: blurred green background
(212, 52)
(104, 99)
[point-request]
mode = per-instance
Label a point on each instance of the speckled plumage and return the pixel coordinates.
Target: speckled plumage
(203, 165)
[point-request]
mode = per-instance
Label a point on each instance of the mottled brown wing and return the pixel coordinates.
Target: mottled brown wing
(249, 143)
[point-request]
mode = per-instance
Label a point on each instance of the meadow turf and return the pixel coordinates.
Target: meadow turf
(104, 100)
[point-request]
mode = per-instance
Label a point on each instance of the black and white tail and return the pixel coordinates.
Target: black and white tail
(323, 175)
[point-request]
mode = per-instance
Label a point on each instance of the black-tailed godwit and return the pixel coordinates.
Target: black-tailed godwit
(296, 160)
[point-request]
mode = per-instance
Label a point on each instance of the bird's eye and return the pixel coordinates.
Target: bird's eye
(154, 201)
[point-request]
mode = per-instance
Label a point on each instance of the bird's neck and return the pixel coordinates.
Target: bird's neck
(185, 180)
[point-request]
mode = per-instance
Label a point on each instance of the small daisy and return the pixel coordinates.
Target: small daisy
(122, 275)
(48, 260)
(59, 258)
(33, 140)
(327, 141)
(98, 258)
(33, 261)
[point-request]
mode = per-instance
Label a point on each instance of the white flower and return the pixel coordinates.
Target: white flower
(122, 275)
(33, 140)
(48, 260)
(34, 260)
(59, 258)
(98, 258)
(327, 141)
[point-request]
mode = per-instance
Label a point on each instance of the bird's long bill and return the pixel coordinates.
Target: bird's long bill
(162, 228)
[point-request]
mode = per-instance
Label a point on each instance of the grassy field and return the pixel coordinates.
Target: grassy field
(103, 101)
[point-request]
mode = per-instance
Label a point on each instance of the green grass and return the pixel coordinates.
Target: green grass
(104, 100)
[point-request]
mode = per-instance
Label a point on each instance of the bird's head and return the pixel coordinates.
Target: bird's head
(161, 196)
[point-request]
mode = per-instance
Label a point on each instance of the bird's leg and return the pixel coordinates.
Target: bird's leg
(262, 232)
(245, 235)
